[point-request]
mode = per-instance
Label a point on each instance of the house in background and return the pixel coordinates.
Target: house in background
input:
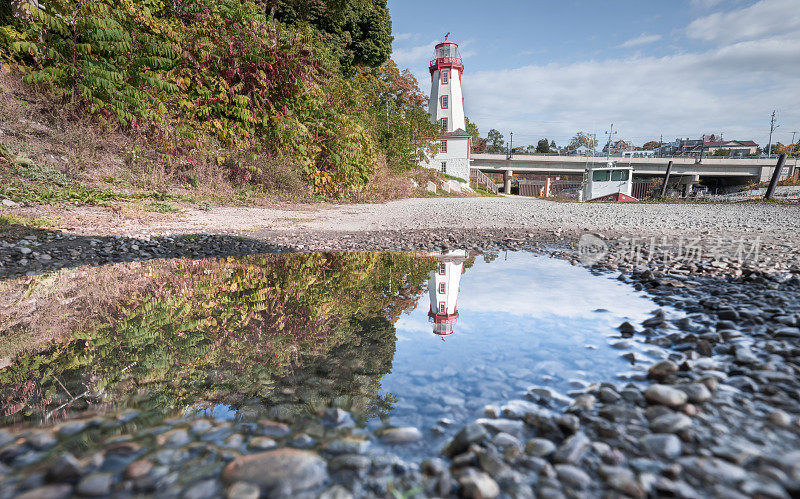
(580, 151)
(618, 146)
(735, 147)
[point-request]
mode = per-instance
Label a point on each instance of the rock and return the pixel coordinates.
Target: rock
(623, 480)
(71, 428)
(573, 476)
(8, 202)
(539, 447)
(670, 423)
(261, 443)
(205, 489)
(569, 422)
(287, 470)
(355, 462)
(48, 492)
(338, 418)
(503, 439)
(470, 434)
(573, 449)
(712, 470)
(585, 401)
(5, 438)
(665, 395)
(65, 468)
(780, 418)
(661, 445)
(663, 369)
(138, 469)
(200, 426)
(511, 426)
(243, 490)
(626, 329)
(609, 396)
(696, 392)
(273, 428)
(478, 485)
(336, 492)
(42, 440)
(303, 441)
(348, 445)
(403, 435)
(96, 484)
(174, 438)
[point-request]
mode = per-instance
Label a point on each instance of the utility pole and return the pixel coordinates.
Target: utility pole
(772, 127)
(610, 133)
(511, 146)
(791, 146)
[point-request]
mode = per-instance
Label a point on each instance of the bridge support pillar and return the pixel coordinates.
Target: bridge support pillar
(507, 176)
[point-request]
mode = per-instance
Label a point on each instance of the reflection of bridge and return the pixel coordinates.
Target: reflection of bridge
(723, 171)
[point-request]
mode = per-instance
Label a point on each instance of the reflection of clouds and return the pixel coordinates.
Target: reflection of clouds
(538, 287)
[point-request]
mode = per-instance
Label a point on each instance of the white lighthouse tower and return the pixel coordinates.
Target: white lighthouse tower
(444, 283)
(446, 108)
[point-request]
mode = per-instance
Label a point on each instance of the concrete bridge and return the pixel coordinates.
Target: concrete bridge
(719, 172)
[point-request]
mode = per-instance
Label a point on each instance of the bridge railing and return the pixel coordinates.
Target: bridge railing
(481, 179)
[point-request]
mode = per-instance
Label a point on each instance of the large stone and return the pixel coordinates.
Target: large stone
(539, 447)
(285, 470)
(65, 468)
(670, 423)
(48, 492)
(712, 470)
(470, 434)
(402, 435)
(662, 445)
(665, 395)
(573, 476)
(96, 484)
(478, 485)
(204, 489)
(662, 369)
(697, 392)
(573, 449)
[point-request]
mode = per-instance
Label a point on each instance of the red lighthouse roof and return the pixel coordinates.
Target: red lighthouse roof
(446, 56)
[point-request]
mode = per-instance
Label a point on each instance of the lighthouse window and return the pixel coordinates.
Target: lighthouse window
(444, 124)
(443, 146)
(444, 102)
(619, 175)
(445, 77)
(442, 308)
(441, 288)
(444, 166)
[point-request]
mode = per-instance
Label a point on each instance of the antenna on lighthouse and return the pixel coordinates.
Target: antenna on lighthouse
(447, 36)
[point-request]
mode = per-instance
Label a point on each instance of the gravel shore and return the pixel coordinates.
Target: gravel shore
(720, 417)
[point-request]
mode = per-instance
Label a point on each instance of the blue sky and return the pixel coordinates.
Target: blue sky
(677, 68)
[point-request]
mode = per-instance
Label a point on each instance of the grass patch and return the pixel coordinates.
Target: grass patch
(160, 207)
(451, 177)
(483, 191)
(42, 223)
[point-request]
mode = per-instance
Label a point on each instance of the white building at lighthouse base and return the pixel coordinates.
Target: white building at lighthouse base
(453, 155)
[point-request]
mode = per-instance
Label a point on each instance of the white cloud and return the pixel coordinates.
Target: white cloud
(766, 18)
(411, 56)
(730, 88)
(402, 37)
(643, 39)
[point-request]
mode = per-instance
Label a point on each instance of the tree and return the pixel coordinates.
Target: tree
(553, 147)
(543, 146)
(472, 129)
(362, 29)
(582, 139)
(653, 144)
(495, 141)
(722, 152)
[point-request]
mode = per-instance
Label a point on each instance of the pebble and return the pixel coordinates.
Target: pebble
(573, 476)
(662, 369)
(243, 490)
(540, 447)
(662, 445)
(292, 469)
(665, 395)
(478, 485)
(573, 449)
(95, 484)
(402, 435)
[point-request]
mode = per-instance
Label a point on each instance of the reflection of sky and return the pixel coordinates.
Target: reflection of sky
(522, 320)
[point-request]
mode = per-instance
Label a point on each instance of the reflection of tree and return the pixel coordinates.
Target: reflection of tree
(225, 330)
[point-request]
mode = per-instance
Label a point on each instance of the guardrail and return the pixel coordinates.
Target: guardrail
(481, 178)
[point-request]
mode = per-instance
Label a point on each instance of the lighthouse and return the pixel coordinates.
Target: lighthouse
(446, 108)
(444, 283)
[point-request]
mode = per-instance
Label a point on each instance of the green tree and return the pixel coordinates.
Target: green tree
(472, 129)
(495, 142)
(722, 152)
(553, 146)
(543, 146)
(360, 29)
(582, 139)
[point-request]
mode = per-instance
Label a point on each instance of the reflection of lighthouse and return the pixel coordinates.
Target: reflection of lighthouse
(443, 285)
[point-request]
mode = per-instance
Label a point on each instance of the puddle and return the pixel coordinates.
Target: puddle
(396, 339)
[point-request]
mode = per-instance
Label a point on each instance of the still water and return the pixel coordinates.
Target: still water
(423, 340)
